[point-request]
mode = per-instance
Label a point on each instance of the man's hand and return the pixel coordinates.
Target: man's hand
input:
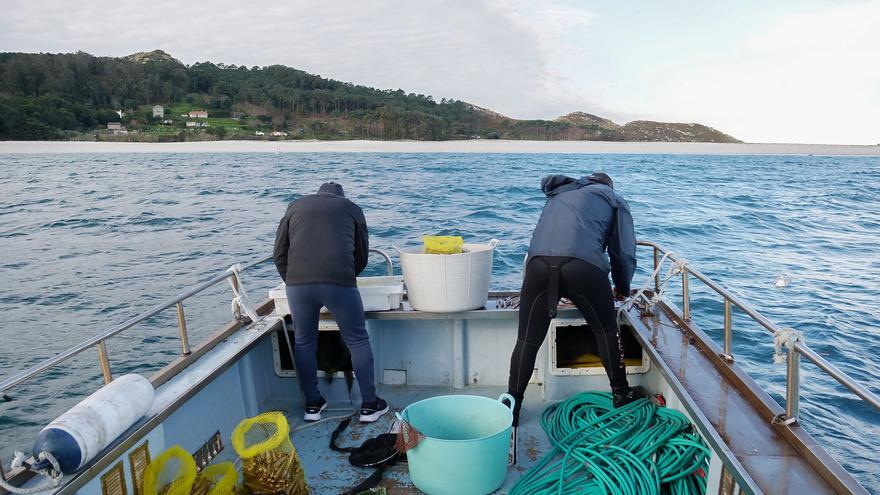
(618, 296)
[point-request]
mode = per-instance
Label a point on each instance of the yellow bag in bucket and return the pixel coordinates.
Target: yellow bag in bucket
(172, 473)
(219, 479)
(443, 244)
(269, 462)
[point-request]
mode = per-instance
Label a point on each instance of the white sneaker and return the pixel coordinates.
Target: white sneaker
(374, 411)
(313, 410)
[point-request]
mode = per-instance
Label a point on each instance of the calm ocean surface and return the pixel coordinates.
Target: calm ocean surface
(88, 241)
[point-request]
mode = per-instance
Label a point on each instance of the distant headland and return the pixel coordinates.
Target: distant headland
(153, 97)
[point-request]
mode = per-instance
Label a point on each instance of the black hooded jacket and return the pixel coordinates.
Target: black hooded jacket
(322, 239)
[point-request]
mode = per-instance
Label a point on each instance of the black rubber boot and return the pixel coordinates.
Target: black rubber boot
(629, 394)
(516, 407)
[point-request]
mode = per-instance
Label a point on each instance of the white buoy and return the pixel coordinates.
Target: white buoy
(782, 281)
(78, 435)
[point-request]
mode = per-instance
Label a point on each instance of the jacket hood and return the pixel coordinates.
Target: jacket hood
(600, 178)
(331, 188)
(556, 184)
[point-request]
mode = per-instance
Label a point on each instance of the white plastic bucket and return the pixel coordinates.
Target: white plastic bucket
(447, 283)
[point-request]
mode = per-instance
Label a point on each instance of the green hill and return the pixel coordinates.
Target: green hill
(75, 96)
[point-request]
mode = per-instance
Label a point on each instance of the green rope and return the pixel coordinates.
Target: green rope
(637, 449)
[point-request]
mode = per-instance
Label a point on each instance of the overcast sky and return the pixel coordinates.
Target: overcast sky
(806, 71)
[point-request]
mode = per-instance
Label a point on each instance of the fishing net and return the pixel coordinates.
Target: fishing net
(269, 461)
(172, 473)
(407, 437)
(443, 244)
(219, 479)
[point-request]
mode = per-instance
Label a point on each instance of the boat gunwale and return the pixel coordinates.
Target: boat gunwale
(816, 456)
(143, 428)
(700, 421)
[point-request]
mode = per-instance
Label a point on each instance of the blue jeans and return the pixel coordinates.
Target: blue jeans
(347, 308)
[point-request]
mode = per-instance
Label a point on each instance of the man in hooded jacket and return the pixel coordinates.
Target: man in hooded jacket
(582, 219)
(321, 247)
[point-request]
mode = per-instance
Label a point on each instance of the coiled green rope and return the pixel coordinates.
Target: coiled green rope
(638, 449)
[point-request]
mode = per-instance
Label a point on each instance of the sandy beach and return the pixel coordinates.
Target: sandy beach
(472, 146)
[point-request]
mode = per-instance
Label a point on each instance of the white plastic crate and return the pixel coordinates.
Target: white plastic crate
(377, 294)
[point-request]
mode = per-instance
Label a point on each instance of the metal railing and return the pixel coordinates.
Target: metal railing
(794, 352)
(98, 341)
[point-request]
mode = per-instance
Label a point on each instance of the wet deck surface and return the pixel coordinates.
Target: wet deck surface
(770, 459)
(330, 472)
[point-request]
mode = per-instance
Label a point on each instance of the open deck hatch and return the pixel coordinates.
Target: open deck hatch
(573, 349)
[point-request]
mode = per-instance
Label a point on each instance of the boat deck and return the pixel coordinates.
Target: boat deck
(780, 459)
(330, 472)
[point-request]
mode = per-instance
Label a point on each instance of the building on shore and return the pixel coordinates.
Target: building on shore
(116, 128)
(198, 114)
(158, 111)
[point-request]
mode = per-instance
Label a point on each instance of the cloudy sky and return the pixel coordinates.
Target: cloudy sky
(781, 71)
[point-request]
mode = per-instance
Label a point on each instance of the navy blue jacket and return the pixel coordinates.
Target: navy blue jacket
(322, 239)
(582, 219)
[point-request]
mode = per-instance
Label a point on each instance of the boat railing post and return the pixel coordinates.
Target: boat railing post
(792, 385)
(685, 294)
(656, 273)
(388, 263)
(236, 308)
(105, 362)
(181, 324)
(728, 332)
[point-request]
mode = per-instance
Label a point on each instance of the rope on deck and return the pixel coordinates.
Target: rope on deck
(637, 449)
(53, 473)
(787, 338)
(240, 299)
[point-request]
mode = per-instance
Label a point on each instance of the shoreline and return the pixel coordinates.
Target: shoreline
(468, 146)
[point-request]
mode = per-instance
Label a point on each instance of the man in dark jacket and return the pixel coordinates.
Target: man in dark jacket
(320, 248)
(581, 220)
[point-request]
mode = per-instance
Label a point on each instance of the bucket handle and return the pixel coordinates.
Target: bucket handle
(509, 397)
(493, 243)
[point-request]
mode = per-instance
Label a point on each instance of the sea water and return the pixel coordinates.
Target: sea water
(88, 241)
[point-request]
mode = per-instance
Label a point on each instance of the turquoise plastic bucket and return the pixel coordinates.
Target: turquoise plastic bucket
(464, 452)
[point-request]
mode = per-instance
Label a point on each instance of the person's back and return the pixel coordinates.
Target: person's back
(582, 219)
(320, 248)
(326, 236)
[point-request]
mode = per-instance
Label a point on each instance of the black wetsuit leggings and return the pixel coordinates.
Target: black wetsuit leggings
(589, 289)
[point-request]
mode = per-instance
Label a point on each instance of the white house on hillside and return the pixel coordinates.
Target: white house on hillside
(159, 111)
(198, 114)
